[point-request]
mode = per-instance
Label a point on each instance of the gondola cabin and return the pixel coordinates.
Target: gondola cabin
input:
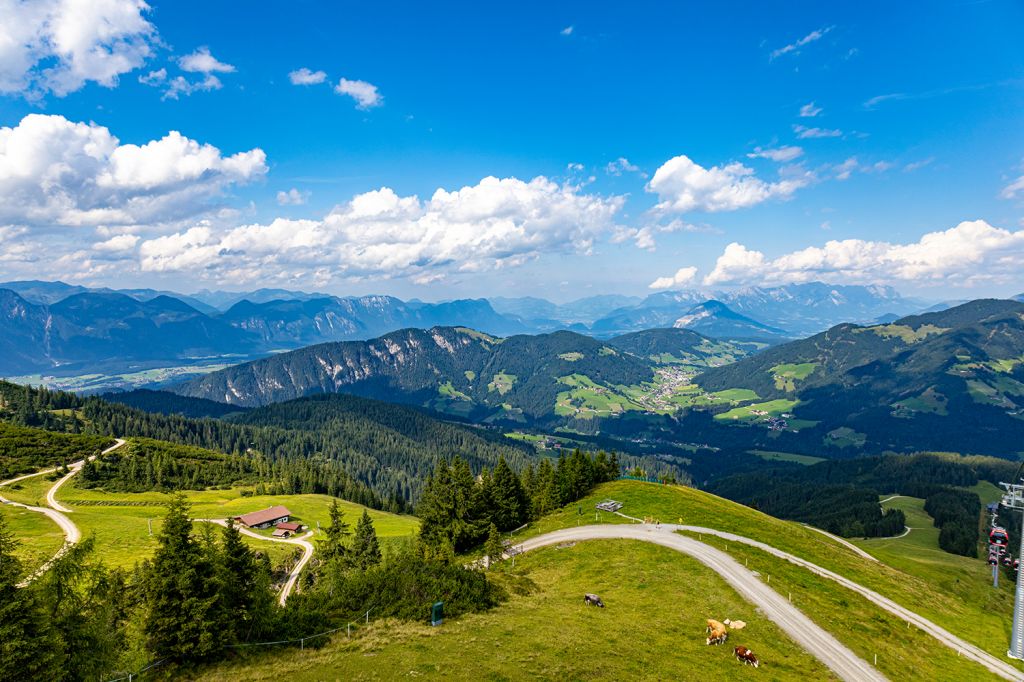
(998, 536)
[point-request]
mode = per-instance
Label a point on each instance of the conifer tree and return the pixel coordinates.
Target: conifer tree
(332, 546)
(507, 499)
(183, 619)
(365, 547)
(493, 548)
(29, 648)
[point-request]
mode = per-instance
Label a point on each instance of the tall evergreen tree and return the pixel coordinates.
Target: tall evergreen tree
(493, 548)
(183, 617)
(365, 547)
(332, 545)
(244, 586)
(507, 499)
(29, 648)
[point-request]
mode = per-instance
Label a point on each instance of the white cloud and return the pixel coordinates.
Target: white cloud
(682, 186)
(918, 165)
(292, 197)
(809, 110)
(780, 154)
(201, 61)
(60, 45)
(844, 170)
(1011, 190)
(811, 37)
(54, 172)
(683, 277)
(365, 94)
(304, 76)
(495, 223)
(567, 31)
(154, 78)
(971, 253)
(118, 244)
(803, 132)
(179, 85)
(619, 166)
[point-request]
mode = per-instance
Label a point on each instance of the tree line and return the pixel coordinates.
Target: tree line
(460, 511)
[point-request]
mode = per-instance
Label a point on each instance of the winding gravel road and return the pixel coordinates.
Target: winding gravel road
(303, 542)
(801, 629)
(55, 510)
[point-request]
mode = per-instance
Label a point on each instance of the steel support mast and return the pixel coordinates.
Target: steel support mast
(1013, 498)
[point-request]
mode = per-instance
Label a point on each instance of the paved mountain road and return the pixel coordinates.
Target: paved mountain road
(801, 629)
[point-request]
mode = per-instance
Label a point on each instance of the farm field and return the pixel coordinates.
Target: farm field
(653, 628)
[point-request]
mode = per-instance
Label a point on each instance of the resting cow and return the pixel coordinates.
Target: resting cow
(717, 632)
(746, 656)
(593, 600)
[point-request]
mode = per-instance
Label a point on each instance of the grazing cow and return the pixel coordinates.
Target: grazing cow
(592, 600)
(746, 656)
(716, 632)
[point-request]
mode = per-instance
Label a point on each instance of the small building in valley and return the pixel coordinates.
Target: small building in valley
(271, 516)
(286, 529)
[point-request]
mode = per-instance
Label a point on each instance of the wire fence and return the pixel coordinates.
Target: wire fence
(300, 640)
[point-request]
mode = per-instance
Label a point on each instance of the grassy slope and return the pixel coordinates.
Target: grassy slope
(653, 628)
(122, 530)
(39, 537)
(540, 631)
(986, 624)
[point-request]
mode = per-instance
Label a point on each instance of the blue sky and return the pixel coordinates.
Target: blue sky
(637, 145)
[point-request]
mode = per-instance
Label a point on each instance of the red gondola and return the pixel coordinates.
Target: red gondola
(998, 536)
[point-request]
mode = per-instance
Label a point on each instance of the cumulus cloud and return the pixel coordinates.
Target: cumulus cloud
(292, 197)
(60, 45)
(811, 37)
(55, 172)
(683, 277)
(567, 31)
(201, 61)
(495, 223)
(780, 154)
(682, 186)
(973, 252)
(803, 132)
(304, 76)
(118, 244)
(809, 110)
(365, 94)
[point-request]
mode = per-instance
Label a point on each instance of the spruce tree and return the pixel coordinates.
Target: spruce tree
(29, 648)
(332, 546)
(493, 548)
(507, 499)
(243, 590)
(365, 547)
(183, 620)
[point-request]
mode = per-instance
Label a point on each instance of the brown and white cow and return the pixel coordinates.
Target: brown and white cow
(746, 656)
(717, 633)
(592, 600)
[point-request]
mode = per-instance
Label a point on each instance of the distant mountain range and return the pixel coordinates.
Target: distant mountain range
(794, 310)
(952, 379)
(469, 373)
(947, 380)
(111, 331)
(54, 327)
(714, 318)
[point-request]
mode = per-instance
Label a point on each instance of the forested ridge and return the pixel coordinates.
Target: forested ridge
(842, 496)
